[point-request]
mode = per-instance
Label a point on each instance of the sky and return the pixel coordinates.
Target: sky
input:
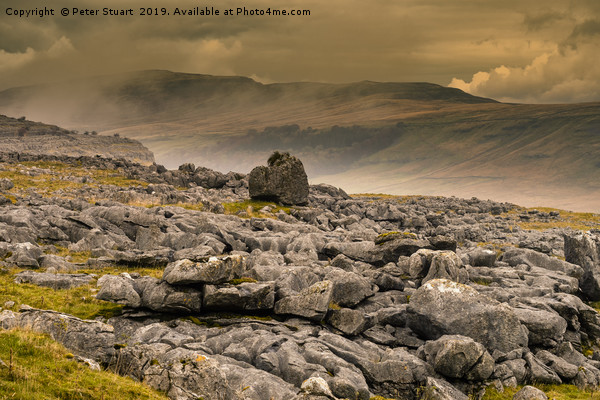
(512, 50)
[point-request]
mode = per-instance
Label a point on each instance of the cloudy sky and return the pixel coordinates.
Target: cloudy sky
(511, 50)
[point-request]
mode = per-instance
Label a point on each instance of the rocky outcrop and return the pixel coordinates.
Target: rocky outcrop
(283, 180)
(344, 297)
(23, 136)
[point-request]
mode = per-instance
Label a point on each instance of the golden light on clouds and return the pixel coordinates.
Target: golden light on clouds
(512, 50)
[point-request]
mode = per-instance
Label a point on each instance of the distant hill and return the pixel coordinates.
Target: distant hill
(399, 138)
(24, 136)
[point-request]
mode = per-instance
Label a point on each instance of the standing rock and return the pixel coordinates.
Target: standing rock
(447, 265)
(583, 249)
(283, 180)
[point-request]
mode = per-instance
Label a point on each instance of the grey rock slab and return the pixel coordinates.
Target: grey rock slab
(55, 281)
(350, 322)
(545, 328)
(456, 356)
(186, 375)
(530, 393)
(118, 289)
(532, 258)
(312, 302)
(380, 335)
(349, 288)
(6, 184)
(344, 379)
(365, 251)
(245, 296)
(442, 307)
(253, 383)
(56, 262)
(539, 371)
(397, 373)
(8, 319)
(439, 389)
(91, 339)
(25, 255)
(162, 297)
(159, 333)
(393, 249)
(518, 368)
(214, 270)
(561, 367)
(419, 263)
(292, 280)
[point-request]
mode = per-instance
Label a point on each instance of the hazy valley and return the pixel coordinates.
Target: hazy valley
(397, 138)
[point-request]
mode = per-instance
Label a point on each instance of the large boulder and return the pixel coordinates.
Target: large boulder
(442, 307)
(283, 180)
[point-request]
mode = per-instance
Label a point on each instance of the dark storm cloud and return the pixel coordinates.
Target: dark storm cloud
(342, 40)
(535, 22)
(584, 31)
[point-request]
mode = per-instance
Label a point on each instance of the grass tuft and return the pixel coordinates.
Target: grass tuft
(252, 208)
(43, 369)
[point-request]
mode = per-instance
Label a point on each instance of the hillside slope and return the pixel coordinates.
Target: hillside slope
(400, 138)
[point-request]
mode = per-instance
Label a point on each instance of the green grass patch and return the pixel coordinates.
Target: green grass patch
(385, 237)
(567, 219)
(78, 257)
(76, 301)
(482, 282)
(242, 280)
(252, 208)
(43, 369)
(47, 178)
(556, 392)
